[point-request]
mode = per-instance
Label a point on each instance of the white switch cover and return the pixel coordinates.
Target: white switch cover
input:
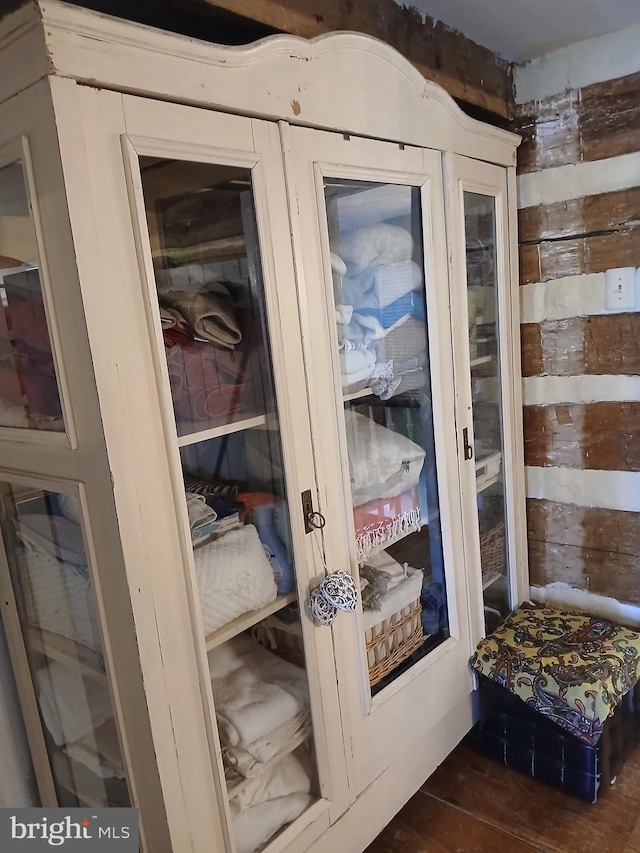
(620, 289)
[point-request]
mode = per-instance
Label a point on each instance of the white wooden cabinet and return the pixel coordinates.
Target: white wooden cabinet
(281, 277)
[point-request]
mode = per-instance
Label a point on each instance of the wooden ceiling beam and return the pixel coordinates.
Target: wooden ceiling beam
(466, 70)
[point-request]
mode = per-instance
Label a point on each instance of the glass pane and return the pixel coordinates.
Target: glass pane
(482, 294)
(375, 238)
(210, 291)
(28, 387)
(57, 610)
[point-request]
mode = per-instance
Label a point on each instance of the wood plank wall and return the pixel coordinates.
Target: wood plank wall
(579, 186)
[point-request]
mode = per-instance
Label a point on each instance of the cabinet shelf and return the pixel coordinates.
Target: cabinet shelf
(491, 579)
(357, 395)
(247, 620)
(218, 432)
(483, 359)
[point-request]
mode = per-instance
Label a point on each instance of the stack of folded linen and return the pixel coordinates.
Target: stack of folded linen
(262, 708)
(380, 300)
(214, 352)
(270, 801)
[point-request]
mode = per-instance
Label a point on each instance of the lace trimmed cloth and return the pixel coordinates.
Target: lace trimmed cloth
(573, 668)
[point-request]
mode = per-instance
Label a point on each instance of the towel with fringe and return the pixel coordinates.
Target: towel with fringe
(381, 521)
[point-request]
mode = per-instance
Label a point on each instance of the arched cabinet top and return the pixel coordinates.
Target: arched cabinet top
(345, 81)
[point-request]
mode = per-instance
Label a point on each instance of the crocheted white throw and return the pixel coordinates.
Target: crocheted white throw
(234, 576)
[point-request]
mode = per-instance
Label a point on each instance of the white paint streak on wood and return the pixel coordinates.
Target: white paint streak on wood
(549, 390)
(581, 64)
(570, 296)
(577, 180)
(606, 489)
(563, 595)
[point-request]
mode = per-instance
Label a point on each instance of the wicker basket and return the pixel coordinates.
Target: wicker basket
(387, 643)
(492, 553)
(391, 641)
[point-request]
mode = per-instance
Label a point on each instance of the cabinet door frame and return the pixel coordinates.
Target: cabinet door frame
(77, 458)
(463, 174)
(116, 129)
(309, 156)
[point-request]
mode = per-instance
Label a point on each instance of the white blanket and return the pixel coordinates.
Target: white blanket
(254, 691)
(234, 577)
(377, 244)
(71, 706)
(258, 756)
(268, 803)
(255, 825)
(290, 775)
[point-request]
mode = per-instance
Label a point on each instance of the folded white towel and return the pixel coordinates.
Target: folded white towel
(354, 358)
(377, 244)
(234, 577)
(254, 691)
(255, 825)
(290, 775)
(264, 805)
(262, 753)
(344, 314)
(198, 511)
(71, 706)
(356, 364)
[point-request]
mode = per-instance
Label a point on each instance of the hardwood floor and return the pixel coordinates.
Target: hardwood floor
(472, 804)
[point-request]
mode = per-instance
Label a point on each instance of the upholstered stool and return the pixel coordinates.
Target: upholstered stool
(560, 697)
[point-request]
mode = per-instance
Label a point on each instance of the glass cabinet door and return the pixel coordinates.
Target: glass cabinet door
(382, 331)
(216, 344)
(380, 376)
(29, 397)
(481, 247)
(52, 605)
(487, 354)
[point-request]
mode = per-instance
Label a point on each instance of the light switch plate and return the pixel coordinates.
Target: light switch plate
(620, 289)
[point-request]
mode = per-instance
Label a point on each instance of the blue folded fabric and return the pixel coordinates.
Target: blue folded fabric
(411, 304)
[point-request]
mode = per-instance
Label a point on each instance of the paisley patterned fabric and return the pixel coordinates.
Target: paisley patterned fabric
(571, 667)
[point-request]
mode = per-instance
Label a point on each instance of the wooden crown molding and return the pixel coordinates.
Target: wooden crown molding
(317, 82)
(466, 70)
